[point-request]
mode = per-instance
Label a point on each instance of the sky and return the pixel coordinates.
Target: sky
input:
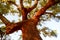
(52, 24)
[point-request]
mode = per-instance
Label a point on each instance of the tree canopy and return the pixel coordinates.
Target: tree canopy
(28, 9)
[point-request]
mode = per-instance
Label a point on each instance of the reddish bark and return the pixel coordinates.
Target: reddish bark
(28, 26)
(43, 9)
(29, 30)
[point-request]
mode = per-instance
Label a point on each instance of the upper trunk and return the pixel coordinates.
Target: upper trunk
(29, 30)
(28, 27)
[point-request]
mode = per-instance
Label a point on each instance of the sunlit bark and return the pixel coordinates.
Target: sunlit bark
(43, 9)
(28, 26)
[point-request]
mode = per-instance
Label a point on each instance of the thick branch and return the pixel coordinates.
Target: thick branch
(34, 6)
(43, 9)
(20, 8)
(4, 20)
(13, 27)
(25, 11)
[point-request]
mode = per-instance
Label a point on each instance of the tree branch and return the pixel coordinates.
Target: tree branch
(34, 6)
(13, 27)
(13, 3)
(43, 9)
(25, 11)
(4, 20)
(21, 4)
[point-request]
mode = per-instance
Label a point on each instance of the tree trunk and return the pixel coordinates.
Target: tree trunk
(28, 26)
(29, 30)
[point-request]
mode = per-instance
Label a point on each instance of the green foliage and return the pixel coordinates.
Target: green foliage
(3, 28)
(7, 0)
(43, 2)
(6, 7)
(48, 32)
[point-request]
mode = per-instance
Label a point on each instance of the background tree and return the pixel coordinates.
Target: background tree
(30, 17)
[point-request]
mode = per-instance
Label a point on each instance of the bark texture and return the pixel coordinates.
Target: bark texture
(28, 26)
(29, 30)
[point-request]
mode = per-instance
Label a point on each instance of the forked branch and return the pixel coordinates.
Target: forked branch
(34, 6)
(25, 11)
